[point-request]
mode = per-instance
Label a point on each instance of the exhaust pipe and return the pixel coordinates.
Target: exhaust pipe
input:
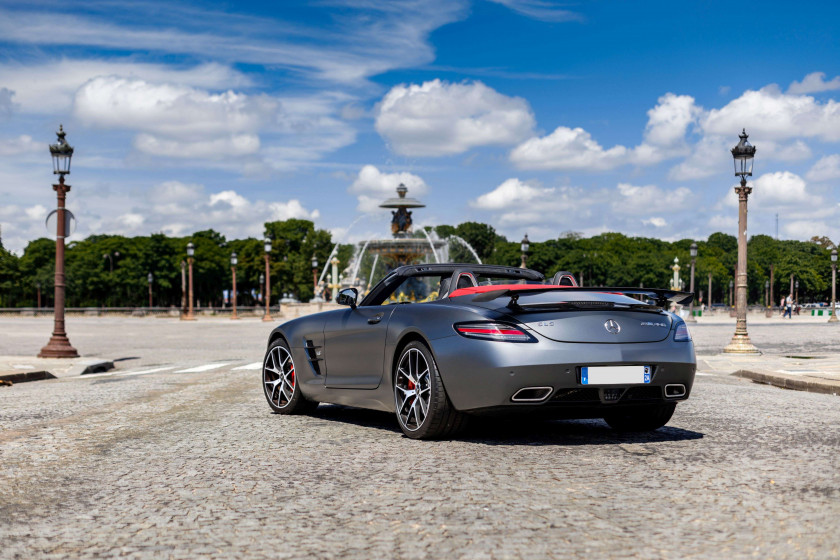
(532, 394)
(674, 391)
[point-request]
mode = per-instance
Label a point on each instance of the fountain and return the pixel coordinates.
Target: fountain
(403, 248)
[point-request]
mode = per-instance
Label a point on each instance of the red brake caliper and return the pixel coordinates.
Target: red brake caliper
(292, 372)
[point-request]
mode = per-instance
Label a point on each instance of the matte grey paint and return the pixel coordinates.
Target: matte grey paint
(358, 357)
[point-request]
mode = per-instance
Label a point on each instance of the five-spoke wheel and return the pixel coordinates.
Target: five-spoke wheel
(423, 409)
(280, 381)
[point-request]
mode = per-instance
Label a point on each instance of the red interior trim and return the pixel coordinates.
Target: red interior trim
(492, 288)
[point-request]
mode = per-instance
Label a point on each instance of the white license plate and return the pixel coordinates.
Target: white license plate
(614, 375)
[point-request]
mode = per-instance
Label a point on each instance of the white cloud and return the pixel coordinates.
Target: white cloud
(542, 10)
(638, 200)
(770, 114)
(780, 190)
(372, 187)
(171, 110)
(814, 83)
(567, 149)
(574, 149)
(352, 42)
(7, 106)
(825, 169)
(510, 193)
(23, 144)
(655, 221)
(50, 87)
(439, 118)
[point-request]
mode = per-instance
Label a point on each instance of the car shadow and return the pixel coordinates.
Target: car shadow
(516, 430)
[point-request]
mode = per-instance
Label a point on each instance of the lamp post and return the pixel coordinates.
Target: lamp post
(190, 253)
(742, 154)
(267, 246)
(111, 257)
(710, 293)
(833, 312)
(59, 345)
(525, 245)
(38, 287)
(767, 293)
(233, 262)
(796, 297)
(314, 273)
(183, 287)
(693, 252)
(151, 279)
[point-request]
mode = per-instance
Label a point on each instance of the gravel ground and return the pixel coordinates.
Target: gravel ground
(186, 465)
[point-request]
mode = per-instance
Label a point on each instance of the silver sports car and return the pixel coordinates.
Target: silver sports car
(439, 343)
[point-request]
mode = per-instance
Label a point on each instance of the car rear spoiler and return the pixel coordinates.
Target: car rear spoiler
(661, 297)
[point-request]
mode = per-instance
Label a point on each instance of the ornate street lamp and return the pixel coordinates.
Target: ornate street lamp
(833, 312)
(234, 260)
(525, 246)
(693, 252)
(709, 298)
(742, 155)
(767, 293)
(59, 345)
(314, 272)
(267, 246)
(151, 279)
(796, 297)
(190, 254)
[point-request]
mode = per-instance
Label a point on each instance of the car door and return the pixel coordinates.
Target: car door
(354, 346)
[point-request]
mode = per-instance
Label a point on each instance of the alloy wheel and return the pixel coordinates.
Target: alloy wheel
(413, 389)
(279, 377)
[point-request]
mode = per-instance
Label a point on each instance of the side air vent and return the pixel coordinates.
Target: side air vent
(313, 354)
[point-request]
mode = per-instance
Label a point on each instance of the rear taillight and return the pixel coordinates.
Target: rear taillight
(493, 331)
(681, 333)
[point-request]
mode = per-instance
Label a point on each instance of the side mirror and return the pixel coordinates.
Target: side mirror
(348, 296)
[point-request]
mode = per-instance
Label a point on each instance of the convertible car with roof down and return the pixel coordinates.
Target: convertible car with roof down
(439, 343)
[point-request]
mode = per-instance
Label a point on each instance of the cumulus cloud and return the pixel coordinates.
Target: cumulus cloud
(655, 221)
(574, 149)
(825, 169)
(511, 192)
(781, 191)
(439, 118)
(633, 199)
(50, 87)
(171, 110)
(371, 186)
(23, 144)
(814, 82)
(770, 114)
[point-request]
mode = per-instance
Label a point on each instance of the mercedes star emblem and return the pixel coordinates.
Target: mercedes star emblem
(612, 327)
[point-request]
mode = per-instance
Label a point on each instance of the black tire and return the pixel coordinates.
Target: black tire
(642, 420)
(283, 397)
(441, 419)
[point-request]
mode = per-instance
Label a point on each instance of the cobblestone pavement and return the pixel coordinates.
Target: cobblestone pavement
(177, 463)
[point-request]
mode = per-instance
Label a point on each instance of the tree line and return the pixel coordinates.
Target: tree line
(609, 259)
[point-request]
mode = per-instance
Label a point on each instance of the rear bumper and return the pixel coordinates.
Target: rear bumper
(483, 375)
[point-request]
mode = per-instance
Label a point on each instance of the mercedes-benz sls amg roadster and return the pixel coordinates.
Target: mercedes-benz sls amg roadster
(439, 343)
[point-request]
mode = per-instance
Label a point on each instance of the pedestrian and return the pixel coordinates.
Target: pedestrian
(788, 307)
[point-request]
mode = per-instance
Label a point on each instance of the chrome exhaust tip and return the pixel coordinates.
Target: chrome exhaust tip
(674, 391)
(532, 394)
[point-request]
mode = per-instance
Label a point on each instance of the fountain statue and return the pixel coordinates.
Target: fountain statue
(403, 248)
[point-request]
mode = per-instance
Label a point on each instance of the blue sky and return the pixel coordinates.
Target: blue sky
(534, 116)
